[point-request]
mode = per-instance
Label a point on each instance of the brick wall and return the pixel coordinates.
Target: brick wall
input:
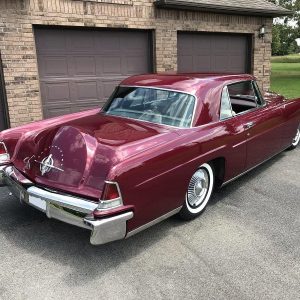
(17, 45)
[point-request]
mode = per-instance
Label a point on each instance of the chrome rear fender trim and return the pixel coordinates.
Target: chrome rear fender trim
(159, 219)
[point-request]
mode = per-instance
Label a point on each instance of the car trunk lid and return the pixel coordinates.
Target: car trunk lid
(78, 155)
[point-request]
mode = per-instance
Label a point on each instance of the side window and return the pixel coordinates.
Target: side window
(260, 99)
(226, 110)
(242, 96)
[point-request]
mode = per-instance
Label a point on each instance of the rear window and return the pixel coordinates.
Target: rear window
(152, 105)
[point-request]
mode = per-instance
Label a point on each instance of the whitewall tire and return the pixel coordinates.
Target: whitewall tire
(198, 193)
(296, 140)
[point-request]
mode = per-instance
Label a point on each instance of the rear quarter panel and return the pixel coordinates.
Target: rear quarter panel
(291, 110)
(155, 182)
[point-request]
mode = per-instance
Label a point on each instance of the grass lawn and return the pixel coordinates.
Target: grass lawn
(285, 76)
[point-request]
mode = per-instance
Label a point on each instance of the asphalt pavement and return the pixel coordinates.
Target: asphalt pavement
(245, 246)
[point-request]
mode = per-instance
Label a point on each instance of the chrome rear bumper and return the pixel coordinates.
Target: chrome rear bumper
(68, 209)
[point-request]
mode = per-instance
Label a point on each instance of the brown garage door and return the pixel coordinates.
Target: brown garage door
(204, 52)
(79, 69)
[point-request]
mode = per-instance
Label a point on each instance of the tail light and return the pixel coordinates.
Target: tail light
(111, 196)
(4, 155)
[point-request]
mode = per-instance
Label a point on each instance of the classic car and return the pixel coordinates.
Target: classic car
(160, 146)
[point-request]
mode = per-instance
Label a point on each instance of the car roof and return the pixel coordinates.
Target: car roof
(185, 82)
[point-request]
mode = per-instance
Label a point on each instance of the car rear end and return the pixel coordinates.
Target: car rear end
(106, 218)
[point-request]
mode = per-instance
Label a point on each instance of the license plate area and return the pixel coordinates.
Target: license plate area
(37, 202)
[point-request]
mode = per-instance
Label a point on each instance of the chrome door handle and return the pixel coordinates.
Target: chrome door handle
(249, 125)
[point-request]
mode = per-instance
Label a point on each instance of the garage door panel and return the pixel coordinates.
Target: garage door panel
(87, 90)
(135, 65)
(56, 91)
(51, 41)
(204, 62)
(130, 43)
(84, 44)
(83, 67)
(235, 61)
(108, 41)
(203, 52)
(108, 87)
(236, 45)
(181, 44)
(203, 45)
(54, 66)
(219, 43)
(220, 64)
(112, 65)
(186, 63)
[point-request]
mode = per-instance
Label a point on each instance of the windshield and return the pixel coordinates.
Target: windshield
(153, 105)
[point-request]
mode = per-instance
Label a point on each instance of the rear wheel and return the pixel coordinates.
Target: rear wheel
(199, 192)
(296, 140)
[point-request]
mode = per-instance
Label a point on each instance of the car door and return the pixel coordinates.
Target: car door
(233, 137)
(262, 125)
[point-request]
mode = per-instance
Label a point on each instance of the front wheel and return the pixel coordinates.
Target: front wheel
(198, 193)
(296, 140)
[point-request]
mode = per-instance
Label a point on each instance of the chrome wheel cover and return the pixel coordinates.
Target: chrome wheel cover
(297, 138)
(198, 188)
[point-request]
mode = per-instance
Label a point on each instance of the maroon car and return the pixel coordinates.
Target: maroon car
(159, 147)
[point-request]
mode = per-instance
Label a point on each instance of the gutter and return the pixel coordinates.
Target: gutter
(188, 5)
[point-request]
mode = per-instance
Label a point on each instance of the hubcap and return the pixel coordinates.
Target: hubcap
(198, 188)
(297, 138)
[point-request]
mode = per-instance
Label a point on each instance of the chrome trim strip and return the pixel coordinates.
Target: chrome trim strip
(239, 144)
(70, 202)
(158, 220)
(252, 168)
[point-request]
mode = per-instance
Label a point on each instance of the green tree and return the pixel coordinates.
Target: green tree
(276, 42)
(287, 29)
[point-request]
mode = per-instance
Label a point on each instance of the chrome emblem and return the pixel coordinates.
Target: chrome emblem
(27, 162)
(47, 164)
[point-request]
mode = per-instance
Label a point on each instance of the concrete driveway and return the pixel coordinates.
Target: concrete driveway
(245, 246)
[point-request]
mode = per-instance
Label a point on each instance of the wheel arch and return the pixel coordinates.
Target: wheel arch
(219, 164)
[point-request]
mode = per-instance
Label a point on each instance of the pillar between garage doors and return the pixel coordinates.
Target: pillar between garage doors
(166, 49)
